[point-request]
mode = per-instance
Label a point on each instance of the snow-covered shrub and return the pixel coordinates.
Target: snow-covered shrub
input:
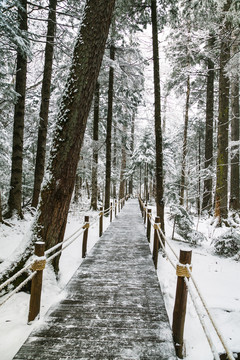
(228, 244)
(184, 225)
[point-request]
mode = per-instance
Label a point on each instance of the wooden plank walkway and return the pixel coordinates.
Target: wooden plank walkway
(114, 308)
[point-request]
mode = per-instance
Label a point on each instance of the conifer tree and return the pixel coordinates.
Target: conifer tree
(158, 125)
(15, 194)
(56, 193)
(45, 98)
(221, 197)
(94, 197)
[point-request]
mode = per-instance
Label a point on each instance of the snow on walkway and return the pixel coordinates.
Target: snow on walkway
(114, 307)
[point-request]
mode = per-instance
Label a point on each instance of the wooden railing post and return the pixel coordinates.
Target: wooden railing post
(115, 208)
(101, 222)
(111, 207)
(85, 236)
(36, 286)
(149, 211)
(179, 311)
(145, 213)
(156, 242)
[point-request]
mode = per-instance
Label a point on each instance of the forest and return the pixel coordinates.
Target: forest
(102, 100)
(75, 119)
(109, 139)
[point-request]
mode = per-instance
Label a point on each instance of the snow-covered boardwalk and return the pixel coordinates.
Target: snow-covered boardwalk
(114, 308)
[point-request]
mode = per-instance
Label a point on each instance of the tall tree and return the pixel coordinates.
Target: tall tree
(184, 151)
(235, 122)
(15, 194)
(132, 149)
(114, 161)
(94, 197)
(109, 131)
(123, 164)
(56, 192)
(1, 219)
(45, 98)
(207, 192)
(157, 109)
(221, 199)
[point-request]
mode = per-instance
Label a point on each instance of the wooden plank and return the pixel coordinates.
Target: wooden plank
(114, 308)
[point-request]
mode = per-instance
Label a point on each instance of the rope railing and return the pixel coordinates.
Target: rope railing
(65, 244)
(14, 277)
(37, 265)
(188, 274)
(53, 248)
(19, 287)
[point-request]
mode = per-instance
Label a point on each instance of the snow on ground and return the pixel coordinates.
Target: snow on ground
(218, 279)
(14, 329)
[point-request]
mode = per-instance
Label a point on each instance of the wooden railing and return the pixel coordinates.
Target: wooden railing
(42, 257)
(183, 268)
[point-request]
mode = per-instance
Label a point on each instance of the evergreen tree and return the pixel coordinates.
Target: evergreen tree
(45, 98)
(235, 122)
(94, 197)
(109, 130)
(56, 193)
(208, 186)
(221, 198)
(15, 194)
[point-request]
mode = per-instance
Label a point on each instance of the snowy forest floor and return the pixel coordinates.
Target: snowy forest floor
(216, 276)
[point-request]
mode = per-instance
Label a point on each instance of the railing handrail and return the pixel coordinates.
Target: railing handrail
(203, 301)
(65, 243)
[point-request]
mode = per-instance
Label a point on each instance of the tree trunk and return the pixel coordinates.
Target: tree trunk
(157, 108)
(94, 198)
(184, 155)
(1, 219)
(234, 197)
(132, 149)
(198, 165)
(207, 192)
(45, 98)
(77, 188)
(15, 194)
(123, 166)
(115, 163)
(109, 132)
(56, 193)
(146, 182)
(221, 200)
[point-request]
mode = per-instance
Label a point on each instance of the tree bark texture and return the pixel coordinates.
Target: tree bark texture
(221, 200)
(115, 162)
(132, 149)
(184, 154)
(207, 192)
(146, 182)
(94, 198)
(158, 126)
(71, 121)
(44, 107)
(123, 166)
(109, 132)
(15, 194)
(56, 193)
(1, 219)
(77, 189)
(234, 197)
